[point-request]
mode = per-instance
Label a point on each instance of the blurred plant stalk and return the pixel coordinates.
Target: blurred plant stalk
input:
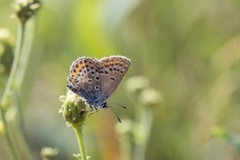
(10, 100)
(135, 133)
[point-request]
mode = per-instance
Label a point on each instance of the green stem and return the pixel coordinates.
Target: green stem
(23, 61)
(23, 147)
(19, 131)
(19, 45)
(7, 135)
(6, 93)
(78, 130)
(144, 121)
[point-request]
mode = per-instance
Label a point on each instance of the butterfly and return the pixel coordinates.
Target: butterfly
(96, 80)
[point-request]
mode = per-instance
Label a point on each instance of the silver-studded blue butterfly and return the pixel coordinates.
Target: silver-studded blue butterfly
(96, 80)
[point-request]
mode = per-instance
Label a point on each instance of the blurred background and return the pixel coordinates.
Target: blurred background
(186, 52)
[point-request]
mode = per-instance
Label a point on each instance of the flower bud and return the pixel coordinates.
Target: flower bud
(136, 85)
(48, 153)
(73, 108)
(151, 97)
(25, 9)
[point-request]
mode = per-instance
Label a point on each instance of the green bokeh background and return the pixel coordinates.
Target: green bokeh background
(188, 50)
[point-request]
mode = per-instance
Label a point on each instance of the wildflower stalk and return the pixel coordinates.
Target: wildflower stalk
(74, 112)
(26, 51)
(78, 130)
(142, 132)
(25, 151)
(23, 61)
(5, 98)
(125, 140)
(22, 65)
(139, 130)
(19, 45)
(23, 11)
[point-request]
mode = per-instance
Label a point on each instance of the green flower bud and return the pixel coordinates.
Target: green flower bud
(25, 9)
(73, 108)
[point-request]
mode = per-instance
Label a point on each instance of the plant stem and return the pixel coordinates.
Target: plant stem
(19, 45)
(144, 121)
(78, 130)
(19, 131)
(6, 93)
(7, 135)
(23, 61)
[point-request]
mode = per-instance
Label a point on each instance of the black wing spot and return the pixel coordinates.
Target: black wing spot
(112, 78)
(90, 81)
(97, 87)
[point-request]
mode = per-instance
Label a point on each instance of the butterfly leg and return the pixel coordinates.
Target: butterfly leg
(93, 110)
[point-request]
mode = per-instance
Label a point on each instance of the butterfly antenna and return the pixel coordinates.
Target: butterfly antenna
(120, 105)
(115, 113)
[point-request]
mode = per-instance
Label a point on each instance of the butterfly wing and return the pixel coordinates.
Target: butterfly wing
(111, 70)
(84, 79)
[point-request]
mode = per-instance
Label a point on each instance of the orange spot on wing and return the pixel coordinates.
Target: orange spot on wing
(80, 66)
